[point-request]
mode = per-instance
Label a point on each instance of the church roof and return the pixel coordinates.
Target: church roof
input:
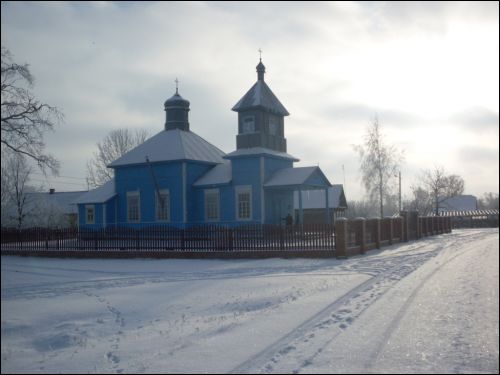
(311, 177)
(243, 152)
(100, 194)
(170, 145)
(261, 96)
(220, 174)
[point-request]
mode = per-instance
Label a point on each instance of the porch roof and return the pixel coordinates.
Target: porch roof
(98, 195)
(298, 178)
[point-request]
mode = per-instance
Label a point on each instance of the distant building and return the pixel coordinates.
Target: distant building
(45, 209)
(459, 203)
(177, 178)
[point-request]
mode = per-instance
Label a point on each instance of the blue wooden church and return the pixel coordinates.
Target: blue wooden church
(177, 178)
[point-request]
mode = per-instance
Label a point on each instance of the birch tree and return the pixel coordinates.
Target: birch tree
(15, 184)
(379, 164)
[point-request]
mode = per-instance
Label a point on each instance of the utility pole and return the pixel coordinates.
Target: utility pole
(399, 191)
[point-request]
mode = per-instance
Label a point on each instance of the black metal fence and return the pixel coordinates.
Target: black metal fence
(163, 241)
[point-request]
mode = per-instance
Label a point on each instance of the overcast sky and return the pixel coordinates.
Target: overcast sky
(429, 71)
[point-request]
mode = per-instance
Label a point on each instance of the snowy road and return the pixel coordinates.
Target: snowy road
(426, 306)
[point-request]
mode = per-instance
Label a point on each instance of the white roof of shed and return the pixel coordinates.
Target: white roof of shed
(459, 203)
(294, 177)
(169, 145)
(98, 195)
(316, 198)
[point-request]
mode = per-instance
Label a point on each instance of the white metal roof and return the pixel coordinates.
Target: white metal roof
(220, 174)
(253, 151)
(260, 95)
(63, 200)
(459, 203)
(98, 195)
(169, 145)
(295, 176)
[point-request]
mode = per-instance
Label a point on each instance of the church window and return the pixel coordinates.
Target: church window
(244, 202)
(90, 214)
(163, 206)
(248, 124)
(212, 208)
(133, 206)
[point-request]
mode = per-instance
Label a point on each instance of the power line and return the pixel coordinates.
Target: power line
(58, 182)
(76, 178)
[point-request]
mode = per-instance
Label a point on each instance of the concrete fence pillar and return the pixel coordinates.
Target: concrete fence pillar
(404, 233)
(377, 233)
(387, 229)
(341, 237)
(360, 229)
(418, 225)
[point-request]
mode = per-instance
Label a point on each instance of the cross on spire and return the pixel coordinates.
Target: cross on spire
(176, 86)
(260, 54)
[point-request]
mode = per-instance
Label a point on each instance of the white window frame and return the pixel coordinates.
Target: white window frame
(244, 129)
(212, 192)
(166, 202)
(131, 194)
(244, 189)
(87, 208)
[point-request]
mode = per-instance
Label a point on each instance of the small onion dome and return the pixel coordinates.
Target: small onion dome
(261, 70)
(176, 101)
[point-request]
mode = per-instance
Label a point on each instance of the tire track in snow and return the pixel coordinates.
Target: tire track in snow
(372, 359)
(339, 314)
(295, 348)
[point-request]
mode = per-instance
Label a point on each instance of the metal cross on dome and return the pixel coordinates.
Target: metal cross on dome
(260, 54)
(176, 85)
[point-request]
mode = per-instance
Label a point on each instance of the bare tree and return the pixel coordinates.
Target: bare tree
(115, 144)
(441, 186)
(15, 178)
(422, 201)
(379, 164)
(489, 201)
(24, 118)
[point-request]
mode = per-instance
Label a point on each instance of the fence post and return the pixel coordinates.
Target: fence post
(418, 224)
(282, 239)
(360, 225)
(341, 237)
(391, 230)
(404, 231)
(182, 239)
(377, 233)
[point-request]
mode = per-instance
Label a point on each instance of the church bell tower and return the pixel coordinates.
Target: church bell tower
(260, 117)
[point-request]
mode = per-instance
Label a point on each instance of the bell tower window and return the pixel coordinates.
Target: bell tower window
(273, 125)
(248, 125)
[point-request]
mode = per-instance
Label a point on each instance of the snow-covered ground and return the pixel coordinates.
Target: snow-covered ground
(427, 306)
